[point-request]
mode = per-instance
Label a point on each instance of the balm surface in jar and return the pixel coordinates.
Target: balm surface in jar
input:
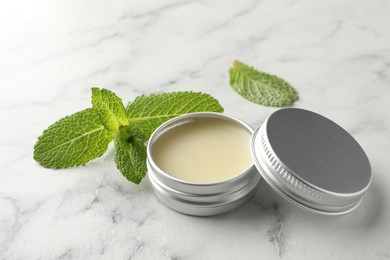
(201, 164)
(204, 150)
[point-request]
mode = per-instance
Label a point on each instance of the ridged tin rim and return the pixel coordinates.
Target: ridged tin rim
(295, 189)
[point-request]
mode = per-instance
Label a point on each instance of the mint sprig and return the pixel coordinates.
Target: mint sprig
(85, 135)
(260, 87)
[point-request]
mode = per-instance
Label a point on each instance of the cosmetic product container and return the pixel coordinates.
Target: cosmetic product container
(202, 196)
(306, 158)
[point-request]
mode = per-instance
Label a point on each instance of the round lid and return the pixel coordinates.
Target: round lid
(311, 161)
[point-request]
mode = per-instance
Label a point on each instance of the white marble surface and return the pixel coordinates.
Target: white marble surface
(335, 53)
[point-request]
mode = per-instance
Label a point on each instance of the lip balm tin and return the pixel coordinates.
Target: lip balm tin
(200, 199)
(306, 158)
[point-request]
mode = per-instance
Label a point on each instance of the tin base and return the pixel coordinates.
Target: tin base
(197, 209)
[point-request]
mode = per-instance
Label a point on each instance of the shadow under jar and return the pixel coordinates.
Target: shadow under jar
(200, 163)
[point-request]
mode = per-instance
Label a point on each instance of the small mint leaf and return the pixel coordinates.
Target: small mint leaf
(109, 107)
(130, 153)
(260, 87)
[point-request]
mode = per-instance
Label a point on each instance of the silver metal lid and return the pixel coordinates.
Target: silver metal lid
(311, 161)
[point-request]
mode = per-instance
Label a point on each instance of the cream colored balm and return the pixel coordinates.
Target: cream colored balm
(204, 151)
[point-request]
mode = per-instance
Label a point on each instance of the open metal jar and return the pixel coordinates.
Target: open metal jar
(184, 182)
(305, 157)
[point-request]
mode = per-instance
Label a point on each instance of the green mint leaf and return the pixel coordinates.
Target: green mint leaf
(73, 140)
(260, 87)
(110, 108)
(148, 112)
(130, 153)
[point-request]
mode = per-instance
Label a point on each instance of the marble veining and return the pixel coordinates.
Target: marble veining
(276, 234)
(335, 53)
